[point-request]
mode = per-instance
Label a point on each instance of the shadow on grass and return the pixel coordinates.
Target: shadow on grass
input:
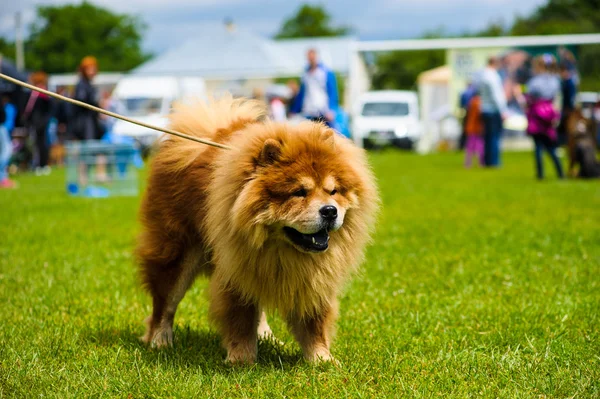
(194, 349)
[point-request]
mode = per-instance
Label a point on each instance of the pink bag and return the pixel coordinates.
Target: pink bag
(542, 118)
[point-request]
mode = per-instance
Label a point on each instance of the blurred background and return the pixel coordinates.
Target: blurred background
(401, 72)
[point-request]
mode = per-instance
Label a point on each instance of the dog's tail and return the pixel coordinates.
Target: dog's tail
(214, 120)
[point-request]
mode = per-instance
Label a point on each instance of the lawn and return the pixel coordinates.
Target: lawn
(479, 283)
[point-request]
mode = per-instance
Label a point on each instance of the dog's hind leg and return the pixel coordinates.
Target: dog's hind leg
(264, 331)
(168, 290)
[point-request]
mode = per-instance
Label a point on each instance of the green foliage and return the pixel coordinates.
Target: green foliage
(494, 29)
(561, 17)
(7, 48)
(310, 21)
(399, 70)
(568, 17)
(589, 57)
(479, 283)
(63, 35)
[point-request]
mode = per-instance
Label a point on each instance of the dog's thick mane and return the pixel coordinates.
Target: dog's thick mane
(279, 275)
(214, 120)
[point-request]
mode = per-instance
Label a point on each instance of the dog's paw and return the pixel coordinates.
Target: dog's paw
(163, 338)
(241, 355)
(158, 337)
(264, 331)
(321, 355)
(268, 336)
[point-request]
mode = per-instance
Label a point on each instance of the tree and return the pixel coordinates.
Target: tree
(7, 48)
(399, 69)
(568, 17)
(310, 21)
(62, 35)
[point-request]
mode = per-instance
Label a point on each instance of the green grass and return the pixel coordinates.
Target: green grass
(480, 283)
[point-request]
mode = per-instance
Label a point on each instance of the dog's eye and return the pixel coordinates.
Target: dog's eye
(333, 192)
(299, 193)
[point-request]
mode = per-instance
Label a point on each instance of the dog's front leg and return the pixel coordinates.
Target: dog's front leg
(314, 333)
(237, 322)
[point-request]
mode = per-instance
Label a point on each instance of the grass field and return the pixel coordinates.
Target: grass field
(480, 283)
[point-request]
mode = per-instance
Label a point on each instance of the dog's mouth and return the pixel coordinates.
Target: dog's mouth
(316, 242)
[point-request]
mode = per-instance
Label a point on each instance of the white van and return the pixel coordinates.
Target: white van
(387, 117)
(149, 99)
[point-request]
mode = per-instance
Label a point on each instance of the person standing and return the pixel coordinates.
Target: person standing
(276, 95)
(568, 93)
(86, 123)
(293, 87)
(317, 99)
(8, 116)
(493, 110)
(465, 99)
(542, 90)
(474, 132)
(107, 103)
(36, 117)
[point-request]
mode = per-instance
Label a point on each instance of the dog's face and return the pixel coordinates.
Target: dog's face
(300, 192)
(308, 207)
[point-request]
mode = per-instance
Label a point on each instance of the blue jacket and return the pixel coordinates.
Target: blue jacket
(11, 117)
(330, 87)
(467, 95)
(569, 92)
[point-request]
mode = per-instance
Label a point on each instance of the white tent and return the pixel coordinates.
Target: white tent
(437, 119)
(233, 59)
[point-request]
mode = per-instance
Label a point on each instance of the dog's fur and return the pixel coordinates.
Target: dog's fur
(580, 139)
(222, 213)
(581, 146)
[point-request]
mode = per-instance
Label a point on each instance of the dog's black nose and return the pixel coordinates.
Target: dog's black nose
(328, 212)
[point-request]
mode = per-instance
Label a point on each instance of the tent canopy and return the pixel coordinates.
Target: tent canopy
(439, 75)
(217, 52)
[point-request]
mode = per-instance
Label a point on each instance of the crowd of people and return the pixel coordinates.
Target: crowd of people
(31, 123)
(545, 80)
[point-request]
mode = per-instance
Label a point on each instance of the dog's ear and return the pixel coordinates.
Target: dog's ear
(329, 137)
(270, 153)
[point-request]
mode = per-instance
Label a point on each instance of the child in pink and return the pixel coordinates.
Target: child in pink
(474, 128)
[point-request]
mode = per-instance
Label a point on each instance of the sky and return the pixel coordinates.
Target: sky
(173, 21)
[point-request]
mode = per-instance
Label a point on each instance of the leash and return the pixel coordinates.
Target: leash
(114, 115)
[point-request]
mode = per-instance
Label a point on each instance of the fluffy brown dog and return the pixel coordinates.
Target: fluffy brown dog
(581, 146)
(279, 222)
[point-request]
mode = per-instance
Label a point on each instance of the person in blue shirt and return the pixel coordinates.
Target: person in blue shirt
(8, 116)
(317, 99)
(493, 110)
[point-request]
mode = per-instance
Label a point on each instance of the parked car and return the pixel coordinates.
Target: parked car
(149, 99)
(388, 117)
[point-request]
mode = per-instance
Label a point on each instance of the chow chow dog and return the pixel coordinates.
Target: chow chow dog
(278, 222)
